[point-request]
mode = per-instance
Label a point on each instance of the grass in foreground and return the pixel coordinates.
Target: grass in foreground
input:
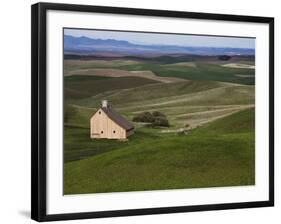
(78, 145)
(221, 153)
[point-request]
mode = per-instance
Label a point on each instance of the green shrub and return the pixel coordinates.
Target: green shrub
(160, 122)
(144, 117)
(158, 114)
(155, 119)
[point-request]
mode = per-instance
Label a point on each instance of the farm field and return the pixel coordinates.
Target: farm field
(199, 70)
(210, 106)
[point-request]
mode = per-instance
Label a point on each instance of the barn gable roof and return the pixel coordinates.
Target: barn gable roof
(117, 118)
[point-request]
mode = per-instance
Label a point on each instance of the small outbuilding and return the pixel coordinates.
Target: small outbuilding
(107, 123)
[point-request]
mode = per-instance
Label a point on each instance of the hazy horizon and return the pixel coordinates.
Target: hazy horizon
(186, 40)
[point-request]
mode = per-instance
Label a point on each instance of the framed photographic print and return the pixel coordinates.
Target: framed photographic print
(138, 111)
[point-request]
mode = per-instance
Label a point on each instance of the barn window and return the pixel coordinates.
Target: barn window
(113, 131)
(102, 132)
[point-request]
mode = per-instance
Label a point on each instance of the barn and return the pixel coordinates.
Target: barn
(107, 123)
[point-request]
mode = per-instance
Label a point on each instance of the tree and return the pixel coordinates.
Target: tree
(160, 122)
(144, 117)
(158, 114)
(156, 119)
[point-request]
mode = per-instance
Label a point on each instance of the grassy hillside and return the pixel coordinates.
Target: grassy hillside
(210, 141)
(204, 70)
(200, 159)
(183, 102)
(200, 70)
(191, 92)
(78, 145)
(71, 65)
(240, 122)
(77, 86)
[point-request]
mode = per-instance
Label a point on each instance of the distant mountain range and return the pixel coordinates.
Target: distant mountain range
(88, 45)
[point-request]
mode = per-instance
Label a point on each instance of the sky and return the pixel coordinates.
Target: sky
(166, 39)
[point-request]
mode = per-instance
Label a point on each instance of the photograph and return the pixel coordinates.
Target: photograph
(147, 111)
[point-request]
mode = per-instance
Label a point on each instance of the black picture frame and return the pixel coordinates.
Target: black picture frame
(39, 122)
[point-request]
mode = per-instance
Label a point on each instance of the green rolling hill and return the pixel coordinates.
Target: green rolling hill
(210, 141)
(219, 154)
